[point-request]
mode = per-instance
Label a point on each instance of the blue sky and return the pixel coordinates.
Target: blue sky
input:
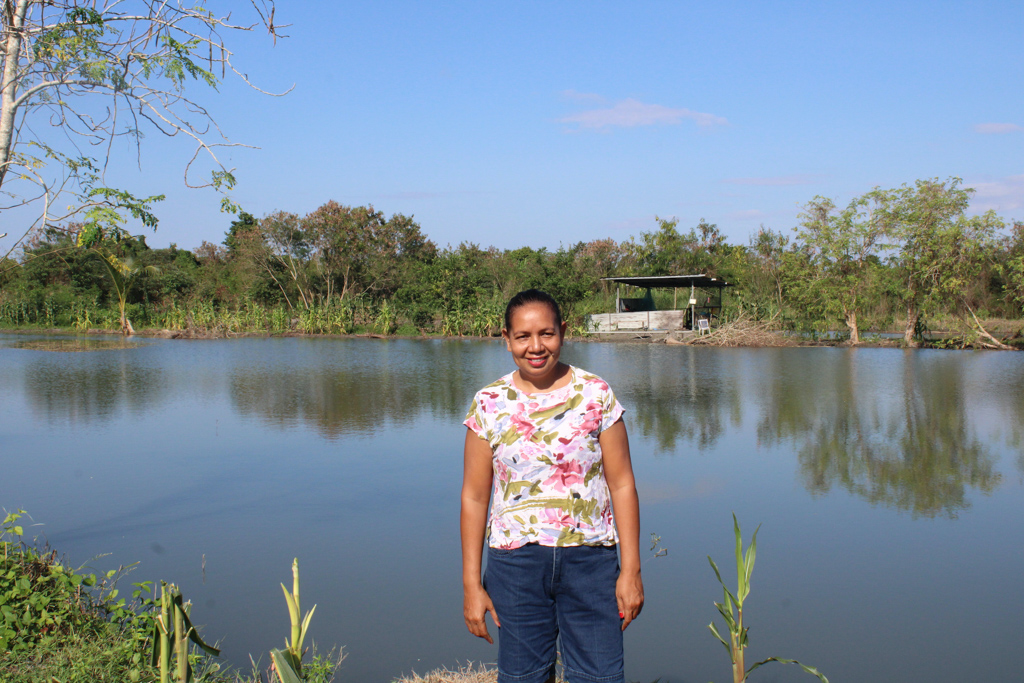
(546, 123)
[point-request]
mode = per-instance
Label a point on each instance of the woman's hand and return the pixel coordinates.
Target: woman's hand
(477, 603)
(629, 592)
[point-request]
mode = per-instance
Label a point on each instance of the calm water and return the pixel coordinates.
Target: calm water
(888, 485)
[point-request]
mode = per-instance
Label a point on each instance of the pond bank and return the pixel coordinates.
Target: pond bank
(751, 337)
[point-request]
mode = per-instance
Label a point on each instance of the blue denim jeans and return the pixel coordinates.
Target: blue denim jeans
(542, 594)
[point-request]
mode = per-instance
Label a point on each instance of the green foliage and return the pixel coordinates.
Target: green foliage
(40, 598)
(83, 76)
(172, 630)
(62, 624)
(731, 609)
(840, 261)
(288, 662)
(869, 266)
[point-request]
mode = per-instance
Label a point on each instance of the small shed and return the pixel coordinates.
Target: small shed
(702, 301)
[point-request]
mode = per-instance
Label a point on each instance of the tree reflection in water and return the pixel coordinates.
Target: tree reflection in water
(361, 397)
(916, 451)
(681, 395)
(82, 391)
(892, 428)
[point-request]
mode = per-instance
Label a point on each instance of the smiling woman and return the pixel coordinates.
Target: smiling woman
(546, 450)
(535, 341)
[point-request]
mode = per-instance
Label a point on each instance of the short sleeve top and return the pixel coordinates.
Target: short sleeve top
(549, 484)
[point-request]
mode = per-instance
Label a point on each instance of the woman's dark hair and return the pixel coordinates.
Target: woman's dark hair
(532, 296)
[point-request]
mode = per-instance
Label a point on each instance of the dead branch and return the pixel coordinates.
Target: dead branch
(744, 331)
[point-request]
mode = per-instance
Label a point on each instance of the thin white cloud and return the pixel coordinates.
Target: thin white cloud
(774, 181)
(1004, 194)
(997, 128)
(577, 96)
(630, 113)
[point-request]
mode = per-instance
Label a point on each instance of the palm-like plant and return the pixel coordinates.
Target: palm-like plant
(124, 272)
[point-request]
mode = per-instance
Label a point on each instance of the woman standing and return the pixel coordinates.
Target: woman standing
(546, 450)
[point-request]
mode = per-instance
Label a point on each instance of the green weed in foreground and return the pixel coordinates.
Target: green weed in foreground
(731, 609)
(64, 625)
(288, 662)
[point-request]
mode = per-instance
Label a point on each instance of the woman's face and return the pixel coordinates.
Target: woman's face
(535, 341)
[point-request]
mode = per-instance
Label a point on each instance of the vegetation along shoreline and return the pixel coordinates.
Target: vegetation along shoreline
(909, 261)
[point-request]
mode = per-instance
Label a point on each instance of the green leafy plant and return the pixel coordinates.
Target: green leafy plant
(172, 629)
(288, 662)
(123, 274)
(731, 609)
(40, 598)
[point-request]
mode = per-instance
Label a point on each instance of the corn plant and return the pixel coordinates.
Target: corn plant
(81, 318)
(386, 317)
(172, 629)
(174, 318)
(288, 662)
(731, 609)
(280, 319)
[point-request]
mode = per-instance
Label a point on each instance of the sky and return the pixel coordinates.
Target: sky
(548, 123)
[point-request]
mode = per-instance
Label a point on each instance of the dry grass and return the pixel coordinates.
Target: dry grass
(464, 674)
(744, 332)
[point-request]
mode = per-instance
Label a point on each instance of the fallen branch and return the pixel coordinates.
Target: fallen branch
(993, 343)
(743, 331)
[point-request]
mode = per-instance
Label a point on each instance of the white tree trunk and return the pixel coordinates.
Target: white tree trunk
(9, 85)
(851, 322)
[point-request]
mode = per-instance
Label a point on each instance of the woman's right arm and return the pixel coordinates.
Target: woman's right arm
(476, 495)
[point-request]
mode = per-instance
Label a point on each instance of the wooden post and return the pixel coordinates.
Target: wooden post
(693, 323)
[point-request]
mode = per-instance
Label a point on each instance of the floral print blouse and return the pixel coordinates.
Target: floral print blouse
(549, 484)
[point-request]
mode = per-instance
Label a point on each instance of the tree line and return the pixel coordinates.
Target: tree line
(906, 258)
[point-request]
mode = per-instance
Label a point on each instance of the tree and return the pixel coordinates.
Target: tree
(766, 252)
(357, 249)
(843, 248)
(80, 75)
(242, 224)
(942, 250)
(1013, 267)
(599, 259)
(124, 272)
(260, 251)
(279, 239)
(666, 251)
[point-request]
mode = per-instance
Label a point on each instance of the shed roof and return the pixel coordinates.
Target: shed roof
(671, 281)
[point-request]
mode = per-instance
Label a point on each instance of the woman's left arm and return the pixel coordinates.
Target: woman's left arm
(618, 471)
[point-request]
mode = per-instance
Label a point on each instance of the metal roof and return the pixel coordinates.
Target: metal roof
(671, 281)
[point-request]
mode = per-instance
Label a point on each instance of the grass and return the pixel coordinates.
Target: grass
(464, 674)
(96, 654)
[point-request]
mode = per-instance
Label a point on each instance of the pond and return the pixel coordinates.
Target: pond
(888, 486)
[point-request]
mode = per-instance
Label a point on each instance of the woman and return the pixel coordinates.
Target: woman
(547, 450)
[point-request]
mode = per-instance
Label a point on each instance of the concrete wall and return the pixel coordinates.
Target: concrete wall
(647, 320)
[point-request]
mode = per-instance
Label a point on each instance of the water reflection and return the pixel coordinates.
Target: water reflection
(94, 390)
(919, 455)
(682, 396)
(893, 429)
(383, 388)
